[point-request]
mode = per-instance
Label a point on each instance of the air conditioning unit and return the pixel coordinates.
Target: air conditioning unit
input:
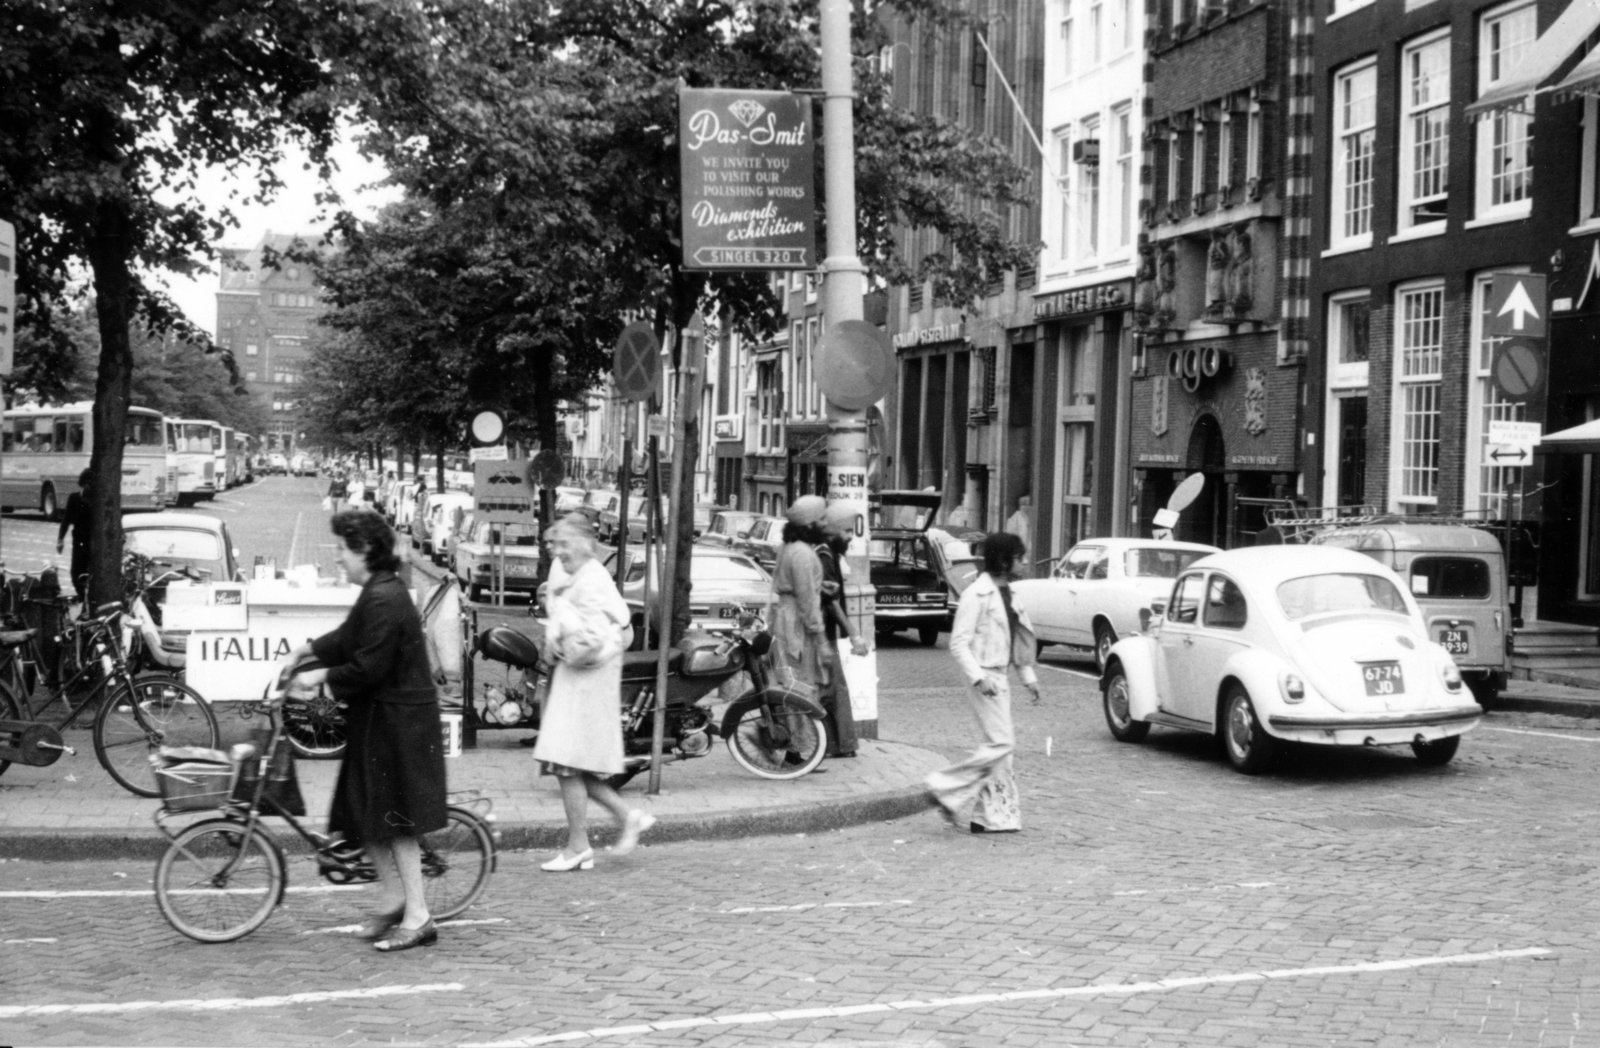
(1086, 151)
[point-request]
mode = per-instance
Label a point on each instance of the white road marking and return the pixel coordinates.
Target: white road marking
(18, 942)
(147, 892)
(1043, 993)
(351, 929)
(1063, 669)
(221, 1004)
(296, 540)
(1251, 885)
(1547, 734)
(802, 907)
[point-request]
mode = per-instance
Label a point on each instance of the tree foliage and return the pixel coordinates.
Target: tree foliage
(109, 110)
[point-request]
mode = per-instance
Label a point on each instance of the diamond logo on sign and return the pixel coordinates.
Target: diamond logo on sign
(747, 111)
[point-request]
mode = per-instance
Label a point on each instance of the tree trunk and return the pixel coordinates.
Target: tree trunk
(438, 469)
(113, 284)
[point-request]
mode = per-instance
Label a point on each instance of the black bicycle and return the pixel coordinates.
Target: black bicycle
(222, 877)
(134, 716)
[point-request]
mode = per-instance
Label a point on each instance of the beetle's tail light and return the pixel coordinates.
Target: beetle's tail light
(1452, 676)
(1294, 689)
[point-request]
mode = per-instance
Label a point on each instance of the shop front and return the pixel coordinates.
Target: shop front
(727, 484)
(1223, 408)
(937, 421)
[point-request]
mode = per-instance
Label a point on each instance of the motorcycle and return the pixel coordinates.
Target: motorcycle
(771, 731)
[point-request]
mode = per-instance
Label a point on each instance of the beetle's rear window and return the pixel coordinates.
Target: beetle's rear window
(1326, 594)
(1450, 578)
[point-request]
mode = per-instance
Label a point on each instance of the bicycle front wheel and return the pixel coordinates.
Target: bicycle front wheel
(778, 743)
(456, 863)
(133, 723)
(217, 882)
(9, 710)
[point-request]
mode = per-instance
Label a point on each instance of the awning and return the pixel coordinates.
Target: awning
(1583, 80)
(1554, 46)
(1579, 440)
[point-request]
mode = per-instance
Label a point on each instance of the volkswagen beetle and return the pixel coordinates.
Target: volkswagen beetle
(1277, 644)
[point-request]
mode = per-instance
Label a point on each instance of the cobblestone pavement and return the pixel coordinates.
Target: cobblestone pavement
(1155, 898)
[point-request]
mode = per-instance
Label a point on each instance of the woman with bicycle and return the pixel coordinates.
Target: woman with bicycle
(391, 786)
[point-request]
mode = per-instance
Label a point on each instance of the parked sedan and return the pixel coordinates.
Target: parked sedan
(486, 550)
(762, 540)
(1274, 644)
(728, 527)
(1093, 595)
(721, 582)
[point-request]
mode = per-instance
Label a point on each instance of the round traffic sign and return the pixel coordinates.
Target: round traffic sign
(854, 364)
(1518, 368)
(488, 429)
(546, 470)
(636, 361)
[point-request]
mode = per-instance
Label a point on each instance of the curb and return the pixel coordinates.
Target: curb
(1549, 704)
(76, 845)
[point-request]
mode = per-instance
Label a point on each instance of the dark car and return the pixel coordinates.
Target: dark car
(728, 527)
(906, 570)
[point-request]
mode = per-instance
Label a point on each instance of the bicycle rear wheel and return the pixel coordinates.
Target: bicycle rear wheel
(158, 711)
(216, 883)
(456, 863)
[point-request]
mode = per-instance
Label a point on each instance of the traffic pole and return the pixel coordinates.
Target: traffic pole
(843, 286)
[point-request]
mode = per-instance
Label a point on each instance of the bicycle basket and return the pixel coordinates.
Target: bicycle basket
(283, 785)
(193, 778)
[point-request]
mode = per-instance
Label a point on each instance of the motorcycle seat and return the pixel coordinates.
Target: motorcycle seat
(642, 664)
(15, 638)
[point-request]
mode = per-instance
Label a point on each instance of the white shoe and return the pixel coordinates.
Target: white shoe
(563, 863)
(636, 823)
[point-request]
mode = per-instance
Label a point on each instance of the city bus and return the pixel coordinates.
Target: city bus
(43, 449)
(191, 459)
(227, 457)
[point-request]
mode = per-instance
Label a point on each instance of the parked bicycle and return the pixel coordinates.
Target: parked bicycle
(222, 877)
(133, 715)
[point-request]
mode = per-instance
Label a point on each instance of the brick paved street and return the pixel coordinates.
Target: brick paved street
(1154, 898)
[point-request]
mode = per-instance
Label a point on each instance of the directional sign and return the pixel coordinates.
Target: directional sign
(1508, 432)
(502, 492)
(1517, 370)
(636, 362)
(1517, 304)
(1509, 455)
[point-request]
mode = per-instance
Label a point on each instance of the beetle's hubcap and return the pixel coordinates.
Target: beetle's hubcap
(1239, 733)
(1117, 702)
(1103, 648)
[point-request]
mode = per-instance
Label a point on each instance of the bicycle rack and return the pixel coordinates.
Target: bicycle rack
(31, 743)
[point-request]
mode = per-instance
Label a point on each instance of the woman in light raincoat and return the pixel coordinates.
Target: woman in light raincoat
(797, 624)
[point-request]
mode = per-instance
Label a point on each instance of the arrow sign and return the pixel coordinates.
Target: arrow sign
(1517, 305)
(1510, 454)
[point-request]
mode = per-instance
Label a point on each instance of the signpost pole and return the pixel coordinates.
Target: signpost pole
(843, 286)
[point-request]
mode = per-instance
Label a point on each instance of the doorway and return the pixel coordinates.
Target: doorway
(1351, 486)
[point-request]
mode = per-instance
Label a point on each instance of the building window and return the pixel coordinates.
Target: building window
(249, 376)
(1122, 25)
(1355, 134)
(1425, 130)
(1096, 34)
(1066, 43)
(1064, 169)
(1252, 141)
(1419, 355)
(1088, 196)
(1224, 156)
(1127, 175)
(1505, 139)
(1174, 167)
(1080, 378)
(1197, 160)
(1345, 433)
(769, 407)
(1488, 486)
(250, 349)
(1344, 7)
(1589, 191)
(813, 336)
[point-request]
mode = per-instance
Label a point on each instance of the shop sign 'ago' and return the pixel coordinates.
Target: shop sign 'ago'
(749, 198)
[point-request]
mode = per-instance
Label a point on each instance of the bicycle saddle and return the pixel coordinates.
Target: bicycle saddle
(15, 638)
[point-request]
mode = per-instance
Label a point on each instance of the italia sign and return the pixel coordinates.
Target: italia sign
(747, 163)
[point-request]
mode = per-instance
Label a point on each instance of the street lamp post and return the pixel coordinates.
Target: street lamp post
(843, 286)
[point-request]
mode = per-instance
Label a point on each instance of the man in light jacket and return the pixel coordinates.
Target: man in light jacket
(990, 635)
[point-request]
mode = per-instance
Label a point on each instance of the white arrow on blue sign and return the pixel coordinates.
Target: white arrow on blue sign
(1517, 305)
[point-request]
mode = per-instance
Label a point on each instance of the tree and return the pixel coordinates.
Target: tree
(550, 129)
(108, 111)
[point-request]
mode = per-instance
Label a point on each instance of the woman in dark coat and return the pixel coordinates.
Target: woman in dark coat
(391, 787)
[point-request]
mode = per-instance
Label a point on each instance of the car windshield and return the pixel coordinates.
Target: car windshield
(201, 549)
(1326, 594)
(1154, 562)
(902, 553)
(710, 569)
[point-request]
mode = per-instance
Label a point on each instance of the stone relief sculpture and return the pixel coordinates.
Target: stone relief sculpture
(1217, 273)
(1255, 401)
(1241, 272)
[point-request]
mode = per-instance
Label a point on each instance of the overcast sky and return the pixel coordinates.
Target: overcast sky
(293, 210)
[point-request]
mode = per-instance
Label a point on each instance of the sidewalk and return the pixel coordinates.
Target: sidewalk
(73, 810)
(1564, 694)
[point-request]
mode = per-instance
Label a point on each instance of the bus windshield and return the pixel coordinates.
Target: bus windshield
(191, 436)
(143, 431)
